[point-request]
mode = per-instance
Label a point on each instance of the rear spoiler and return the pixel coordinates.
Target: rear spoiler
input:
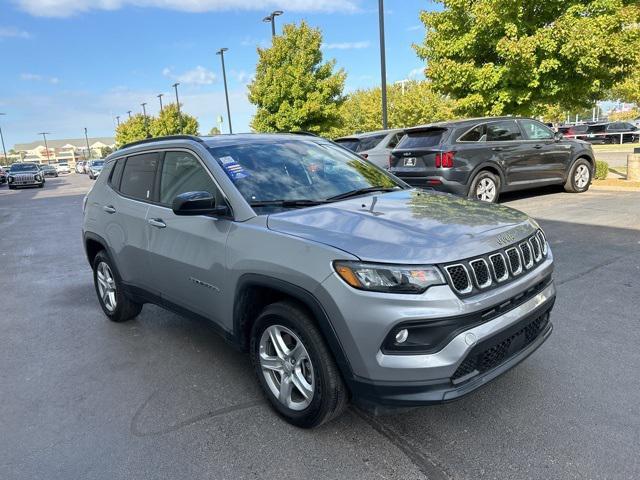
(423, 128)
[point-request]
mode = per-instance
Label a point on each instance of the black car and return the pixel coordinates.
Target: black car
(612, 132)
(25, 174)
(574, 131)
(49, 171)
(482, 157)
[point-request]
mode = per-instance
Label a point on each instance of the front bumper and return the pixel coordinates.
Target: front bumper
(485, 360)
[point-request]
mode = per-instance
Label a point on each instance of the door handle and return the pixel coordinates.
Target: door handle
(497, 149)
(156, 222)
(538, 147)
(109, 209)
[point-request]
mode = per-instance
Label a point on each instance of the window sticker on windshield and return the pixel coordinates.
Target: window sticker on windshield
(233, 168)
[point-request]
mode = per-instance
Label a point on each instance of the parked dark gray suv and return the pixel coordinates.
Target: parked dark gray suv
(340, 280)
(482, 157)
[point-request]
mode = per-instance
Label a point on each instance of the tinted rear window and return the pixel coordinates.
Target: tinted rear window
(423, 138)
(138, 176)
(367, 143)
(596, 128)
(350, 143)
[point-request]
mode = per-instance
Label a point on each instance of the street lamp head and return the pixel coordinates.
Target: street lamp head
(277, 13)
(221, 51)
(267, 19)
(175, 84)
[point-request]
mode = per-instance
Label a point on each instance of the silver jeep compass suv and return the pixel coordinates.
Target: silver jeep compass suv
(340, 280)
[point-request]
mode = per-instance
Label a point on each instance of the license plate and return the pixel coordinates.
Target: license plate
(410, 162)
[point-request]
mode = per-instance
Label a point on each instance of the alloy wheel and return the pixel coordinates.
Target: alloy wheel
(286, 367)
(581, 177)
(106, 286)
(486, 190)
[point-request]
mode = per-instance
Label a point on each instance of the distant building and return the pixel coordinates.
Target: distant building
(69, 150)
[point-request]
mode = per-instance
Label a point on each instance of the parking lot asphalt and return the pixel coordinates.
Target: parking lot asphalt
(164, 397)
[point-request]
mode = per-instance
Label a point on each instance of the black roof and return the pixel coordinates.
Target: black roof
(464, 122)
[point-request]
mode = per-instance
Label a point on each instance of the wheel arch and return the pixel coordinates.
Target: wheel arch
(488, 166)
(254, 292)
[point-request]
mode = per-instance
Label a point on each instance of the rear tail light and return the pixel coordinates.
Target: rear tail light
(444, 159)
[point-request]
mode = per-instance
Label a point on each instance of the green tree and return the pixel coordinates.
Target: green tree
(415, 104)
(105, 151)
(214, 131)
(520, 57)
(293, 89)
(628, 91)
(133, 129)
(170, 122)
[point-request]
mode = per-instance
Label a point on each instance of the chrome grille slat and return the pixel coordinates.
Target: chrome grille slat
(472, 275)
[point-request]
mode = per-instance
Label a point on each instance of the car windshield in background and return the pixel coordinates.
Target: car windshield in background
(23, 167)
(295, 170)
(98, 163)
(422, 138)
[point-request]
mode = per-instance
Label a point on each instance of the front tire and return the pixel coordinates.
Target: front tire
(485, 187)
(579, 177)
(109, 288)
(295, 369)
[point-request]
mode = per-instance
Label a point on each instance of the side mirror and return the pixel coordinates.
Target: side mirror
(558, 136)
(197, 203)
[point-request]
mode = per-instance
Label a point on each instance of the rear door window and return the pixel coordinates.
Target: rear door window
(476, 134)
(503, 131)
(138, 176)
(423, 138)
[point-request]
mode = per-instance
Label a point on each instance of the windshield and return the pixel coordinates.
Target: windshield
(297, 170)
(23, 167)
(98, 163)
(350, 143)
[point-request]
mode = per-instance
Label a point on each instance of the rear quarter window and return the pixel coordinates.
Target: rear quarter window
(423, 138)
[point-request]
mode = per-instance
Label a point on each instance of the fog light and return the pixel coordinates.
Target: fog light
(402, 336)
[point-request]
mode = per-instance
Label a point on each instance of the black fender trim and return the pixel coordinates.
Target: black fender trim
(487, 164)
(307, 299)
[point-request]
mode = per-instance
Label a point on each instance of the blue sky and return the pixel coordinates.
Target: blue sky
(70, 64)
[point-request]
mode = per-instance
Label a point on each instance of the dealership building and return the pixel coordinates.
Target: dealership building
(70, 150)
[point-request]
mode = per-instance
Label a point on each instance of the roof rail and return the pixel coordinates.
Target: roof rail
(167, 137)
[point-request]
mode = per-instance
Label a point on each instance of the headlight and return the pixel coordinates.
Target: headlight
(11, 179)
(388, 278)
(38, 177)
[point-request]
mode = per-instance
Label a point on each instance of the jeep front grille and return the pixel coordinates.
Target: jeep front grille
(487, 271)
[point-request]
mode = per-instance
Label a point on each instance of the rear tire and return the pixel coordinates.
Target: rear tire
(301, 370)
(579, 177)
(485, 187)
(110, 290)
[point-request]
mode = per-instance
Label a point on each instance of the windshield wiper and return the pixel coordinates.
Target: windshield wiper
(362, 191)
(287, 203)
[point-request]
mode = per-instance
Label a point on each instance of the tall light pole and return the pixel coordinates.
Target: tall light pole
(226, 93)
(86, 139)
(175, 87)
(144, 115)
(129, 112)
(46, 147)
(271, 18)
(118, 119)
(2, 138)
(160, 95)
(383, 64)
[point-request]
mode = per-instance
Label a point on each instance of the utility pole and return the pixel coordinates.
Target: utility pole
(160, 98)
(226, 93)
(2, 138)
(383, 64)
(271, 18)
(175, 86)
(86, 139)
(46, 147)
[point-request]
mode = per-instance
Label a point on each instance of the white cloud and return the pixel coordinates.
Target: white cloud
(414, 28)
(196, 76)
(34, 77)
(242, 77)
(66, 8)
(416, 73)
(346, 45)
(13, 32)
